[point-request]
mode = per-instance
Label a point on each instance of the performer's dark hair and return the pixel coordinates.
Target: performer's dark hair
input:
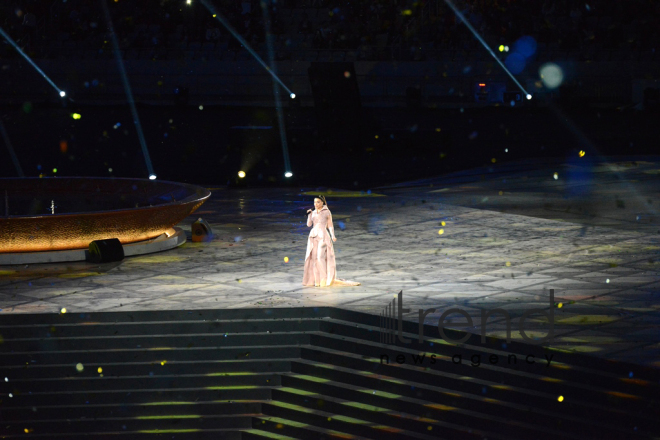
(322, 199)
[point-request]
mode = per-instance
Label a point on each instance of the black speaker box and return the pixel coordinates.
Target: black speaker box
(106, 251)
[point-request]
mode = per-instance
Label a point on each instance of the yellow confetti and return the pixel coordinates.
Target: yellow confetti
(493, 160)
(441, 231)
(163, 363)
(560, 305)
(63, 310)
(286, 259)
(560, 398)
(79, 367)
(329, 419)
(443, 223)
(429, 428)
(582, 153)
(100, 370)
(508, 264)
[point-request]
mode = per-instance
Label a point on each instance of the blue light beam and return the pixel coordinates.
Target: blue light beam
(276, 90)
(127, 89)
(14, 159)
(245, 44)
(481, 40)
(59, 91)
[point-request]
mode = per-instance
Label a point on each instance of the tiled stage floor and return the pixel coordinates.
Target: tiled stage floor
(511, 234)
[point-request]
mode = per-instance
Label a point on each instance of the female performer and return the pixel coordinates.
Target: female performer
(320, 267)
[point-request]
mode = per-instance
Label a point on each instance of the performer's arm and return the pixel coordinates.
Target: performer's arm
(331, 227)
(309, 219)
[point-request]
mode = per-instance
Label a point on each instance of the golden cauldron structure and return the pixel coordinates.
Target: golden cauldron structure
(64, 213)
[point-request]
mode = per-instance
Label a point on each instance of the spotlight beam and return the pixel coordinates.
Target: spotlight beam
(276, 90)
(127, 88)
(481, 40)
(14, 159)
(32, 63)
(245, 44)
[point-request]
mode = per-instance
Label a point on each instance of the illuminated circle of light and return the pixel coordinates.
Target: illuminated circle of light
(152, 177)
(293, 96)
(529, 96)
(288, 174)
(241, 174)
(552, 75)
(62, 93)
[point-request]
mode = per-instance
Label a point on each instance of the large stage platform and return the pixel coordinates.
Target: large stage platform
(511, 233)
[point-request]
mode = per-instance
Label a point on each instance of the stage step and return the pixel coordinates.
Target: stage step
(307, 373)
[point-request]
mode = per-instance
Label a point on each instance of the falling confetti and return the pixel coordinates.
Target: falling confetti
(63, 310)
(79, 367)
(582, 153)
(286, 259)
(560, 398)
(100, 370)
(556, 176)
(441, 231)
(508, 264)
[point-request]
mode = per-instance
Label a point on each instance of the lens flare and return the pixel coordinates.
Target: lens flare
(552, 75)
(241, 174)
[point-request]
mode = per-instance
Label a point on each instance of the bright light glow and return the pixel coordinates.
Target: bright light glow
(189, 2)
(63, 310)
(482, 85)
(62, 93)
(501, 48)
(552, 75)
(556, 176)
(582, 153)
(152, 177)
(76, 116)
(288, 174)
(529, 96)
(293, 96)
(241, 174)
(506, 48)
(560, 398)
